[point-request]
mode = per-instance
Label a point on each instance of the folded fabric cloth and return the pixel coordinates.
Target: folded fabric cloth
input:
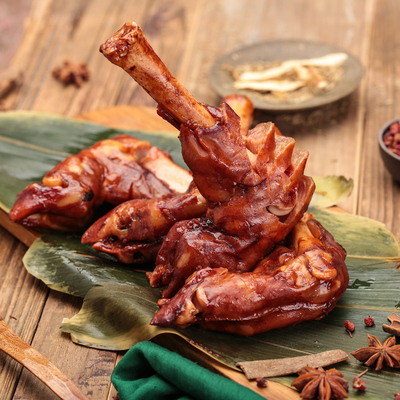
(149, 371)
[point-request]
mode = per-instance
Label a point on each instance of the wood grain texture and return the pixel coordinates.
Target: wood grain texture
(12, 17)
(36, 363)
(88, 369)
(188, 36)
(379, 195)
(128, 117)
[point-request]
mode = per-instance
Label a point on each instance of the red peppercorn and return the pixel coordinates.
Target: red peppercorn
(369, 321)
(261, 382)
(350, 327)
(358, 384)
(391, 138)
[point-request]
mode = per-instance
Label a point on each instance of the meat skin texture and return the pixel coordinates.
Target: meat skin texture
(257, 195)
(306, 286)
(111, 171)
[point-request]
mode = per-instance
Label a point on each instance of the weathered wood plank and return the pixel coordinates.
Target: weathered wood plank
(21, 303)
(26, 236)
(12, 17)
(379, 195)
(89, 369)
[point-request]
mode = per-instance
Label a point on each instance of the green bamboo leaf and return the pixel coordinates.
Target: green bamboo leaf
(124, 319)
(66, 265)
(331, 190)
(360, 236)
(63, 263)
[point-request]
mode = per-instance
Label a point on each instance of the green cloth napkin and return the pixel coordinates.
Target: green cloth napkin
(149, 371)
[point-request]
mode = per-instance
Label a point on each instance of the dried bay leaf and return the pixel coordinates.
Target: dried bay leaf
(331, 190)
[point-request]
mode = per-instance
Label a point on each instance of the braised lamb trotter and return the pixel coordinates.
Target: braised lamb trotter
(112, 171)
(134, 231)
(256, 193)
(297, 282)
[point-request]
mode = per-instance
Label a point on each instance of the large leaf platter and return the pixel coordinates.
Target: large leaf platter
(118, 302)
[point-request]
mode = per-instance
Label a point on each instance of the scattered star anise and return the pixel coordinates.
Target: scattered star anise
(71, 73)
(376, 353)
(321, 384)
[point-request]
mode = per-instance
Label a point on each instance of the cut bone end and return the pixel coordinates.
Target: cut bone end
(117, 46)
(129, 49)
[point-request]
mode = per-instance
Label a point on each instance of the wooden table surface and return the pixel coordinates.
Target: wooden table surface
(36, 36)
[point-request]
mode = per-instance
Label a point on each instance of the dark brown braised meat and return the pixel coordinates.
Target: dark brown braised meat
(256, 193)
(297, 283)
(133, 231)
(112, 171)
(253, 183)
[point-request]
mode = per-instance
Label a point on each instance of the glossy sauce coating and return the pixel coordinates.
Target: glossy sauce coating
(256, 194)
(110, 171)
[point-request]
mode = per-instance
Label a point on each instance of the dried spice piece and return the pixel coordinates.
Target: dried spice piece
(376, 353)
(290, 81)
(358, 383)
(70, 73)
(394, 328)
(350, 327)
(261, 383)
(10, 80)
(323, 385)
(369, 321)
(391, 138)
(290, 365)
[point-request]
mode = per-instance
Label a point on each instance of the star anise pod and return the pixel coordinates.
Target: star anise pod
(71, 73)
(376, 353)
(321, 384)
